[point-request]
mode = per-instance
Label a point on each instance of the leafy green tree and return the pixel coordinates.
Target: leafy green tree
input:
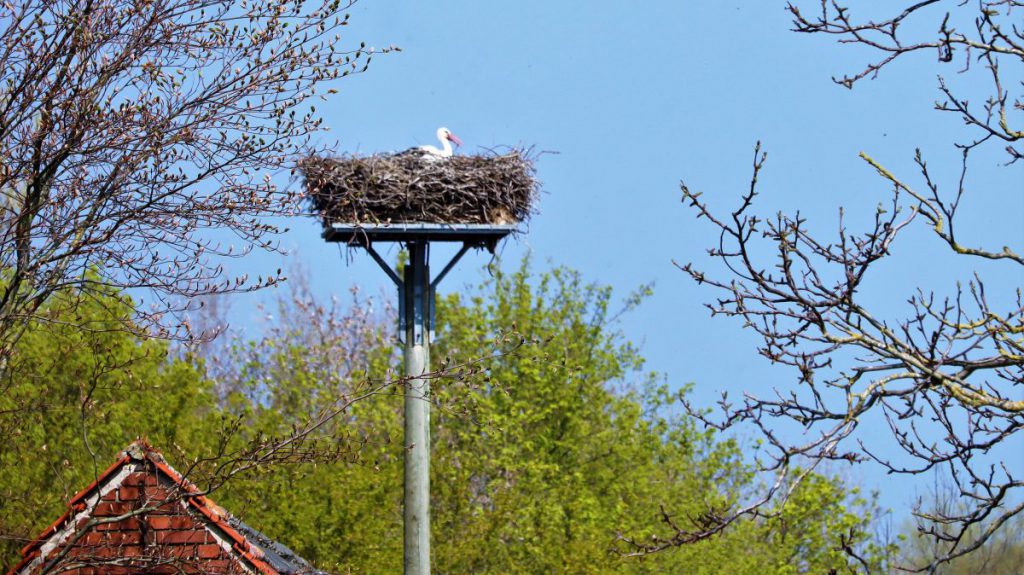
(312, 355)
(546, 451)
(541, 457)
(78, 389)
(74, 393)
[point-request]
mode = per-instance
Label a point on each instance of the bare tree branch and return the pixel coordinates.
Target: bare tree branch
(128, 128)
(947, 379)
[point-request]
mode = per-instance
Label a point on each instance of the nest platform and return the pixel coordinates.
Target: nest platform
(474, 235)
(403, 195)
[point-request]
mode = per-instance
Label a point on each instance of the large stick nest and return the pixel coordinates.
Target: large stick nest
(480, 189)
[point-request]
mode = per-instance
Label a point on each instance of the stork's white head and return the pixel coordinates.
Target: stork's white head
(446, 134)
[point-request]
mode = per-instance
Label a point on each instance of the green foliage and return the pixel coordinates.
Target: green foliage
(541, 459)
(72, 398)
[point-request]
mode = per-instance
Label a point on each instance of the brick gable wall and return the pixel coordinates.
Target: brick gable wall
(163, 535)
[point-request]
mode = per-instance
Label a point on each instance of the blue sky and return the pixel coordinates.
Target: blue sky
(635, 97)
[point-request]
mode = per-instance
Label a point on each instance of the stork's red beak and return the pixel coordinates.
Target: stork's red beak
(455, 139)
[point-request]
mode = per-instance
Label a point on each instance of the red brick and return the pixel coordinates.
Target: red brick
(112, 508)
(91, 539)
(210, 551)
(110, 537)
(91, 554)
(134, 480)
(157, 493)
(179, 537)
(169, 508)
(177, 568)
(180, 552)
(119, 551)
(113, 570)
(128, 493)
(124, 537)
(218, 566)
(170, 522)
(129, 524)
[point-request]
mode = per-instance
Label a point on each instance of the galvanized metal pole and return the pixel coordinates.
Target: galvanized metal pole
(416, 309)
(415, 329)
(416, 326)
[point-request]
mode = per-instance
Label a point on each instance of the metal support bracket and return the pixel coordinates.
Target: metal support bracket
(432, 298)
(384, 265)
(399, 283)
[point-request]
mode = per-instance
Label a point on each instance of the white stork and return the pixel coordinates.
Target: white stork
(433, 153)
